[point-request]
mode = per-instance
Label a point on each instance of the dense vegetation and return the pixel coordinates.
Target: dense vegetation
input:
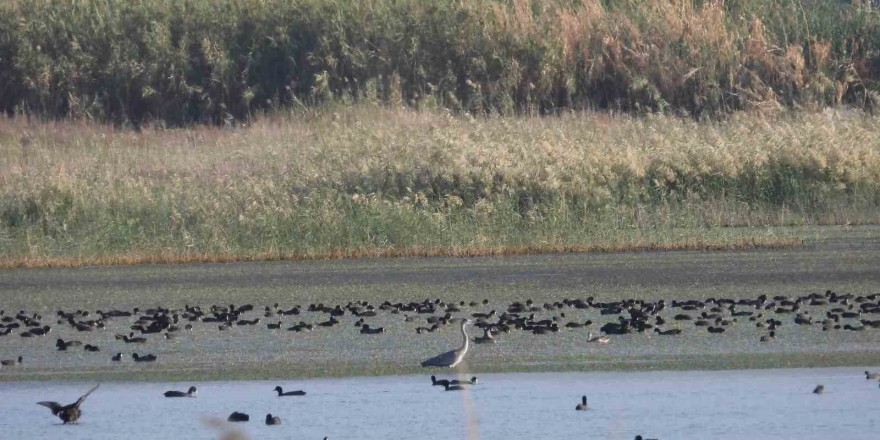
(181, 61)
(349, 180)
(398, 127)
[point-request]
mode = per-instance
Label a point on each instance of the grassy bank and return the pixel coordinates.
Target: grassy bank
(183, 61)
(370, 181)
(281, 370)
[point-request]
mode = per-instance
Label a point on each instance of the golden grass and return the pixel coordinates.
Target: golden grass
(367, 180)
(409, 252)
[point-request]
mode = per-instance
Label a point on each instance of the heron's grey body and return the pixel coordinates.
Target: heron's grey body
(453, 357)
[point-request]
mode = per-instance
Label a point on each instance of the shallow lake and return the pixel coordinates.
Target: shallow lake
(730, 404)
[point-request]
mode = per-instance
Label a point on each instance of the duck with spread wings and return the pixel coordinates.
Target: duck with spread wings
(68, 413)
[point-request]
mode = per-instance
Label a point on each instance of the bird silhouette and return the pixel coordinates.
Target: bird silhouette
(68, 413)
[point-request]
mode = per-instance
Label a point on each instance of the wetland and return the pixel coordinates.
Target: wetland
(552, 289)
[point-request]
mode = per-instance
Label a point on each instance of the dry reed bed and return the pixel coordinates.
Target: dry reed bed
(367, 180)
(182, 61)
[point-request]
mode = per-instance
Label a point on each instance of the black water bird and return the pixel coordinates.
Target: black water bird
(272, 420)
(819, 389)
(39, 331)
(281, 392)
(11, 362)
(62, 345)
(472, 381)
(238, 417)
(68, 413)
(130, 339)
(366, 330)
(189, 393)
(672, 331)
(147, 358)
(583, 405)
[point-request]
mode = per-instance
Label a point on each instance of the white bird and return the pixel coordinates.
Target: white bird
(601, 339)
(453, 357)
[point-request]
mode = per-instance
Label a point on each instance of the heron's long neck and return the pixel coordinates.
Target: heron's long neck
(464, 337)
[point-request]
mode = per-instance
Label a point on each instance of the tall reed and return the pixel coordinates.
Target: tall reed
(183, 61)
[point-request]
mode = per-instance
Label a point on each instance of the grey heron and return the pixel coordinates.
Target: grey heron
(453, 357)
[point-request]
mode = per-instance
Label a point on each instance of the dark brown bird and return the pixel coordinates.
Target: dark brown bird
(68, 413)
(272, 420)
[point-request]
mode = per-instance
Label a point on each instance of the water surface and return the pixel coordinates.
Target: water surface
(741, 404)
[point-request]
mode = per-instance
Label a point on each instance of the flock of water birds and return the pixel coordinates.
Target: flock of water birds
(830, 311)
(72, 412)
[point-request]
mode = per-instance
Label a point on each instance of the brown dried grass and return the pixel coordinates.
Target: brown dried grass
(408, 252)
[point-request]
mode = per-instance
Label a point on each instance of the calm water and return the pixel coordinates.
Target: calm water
(741, 404)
